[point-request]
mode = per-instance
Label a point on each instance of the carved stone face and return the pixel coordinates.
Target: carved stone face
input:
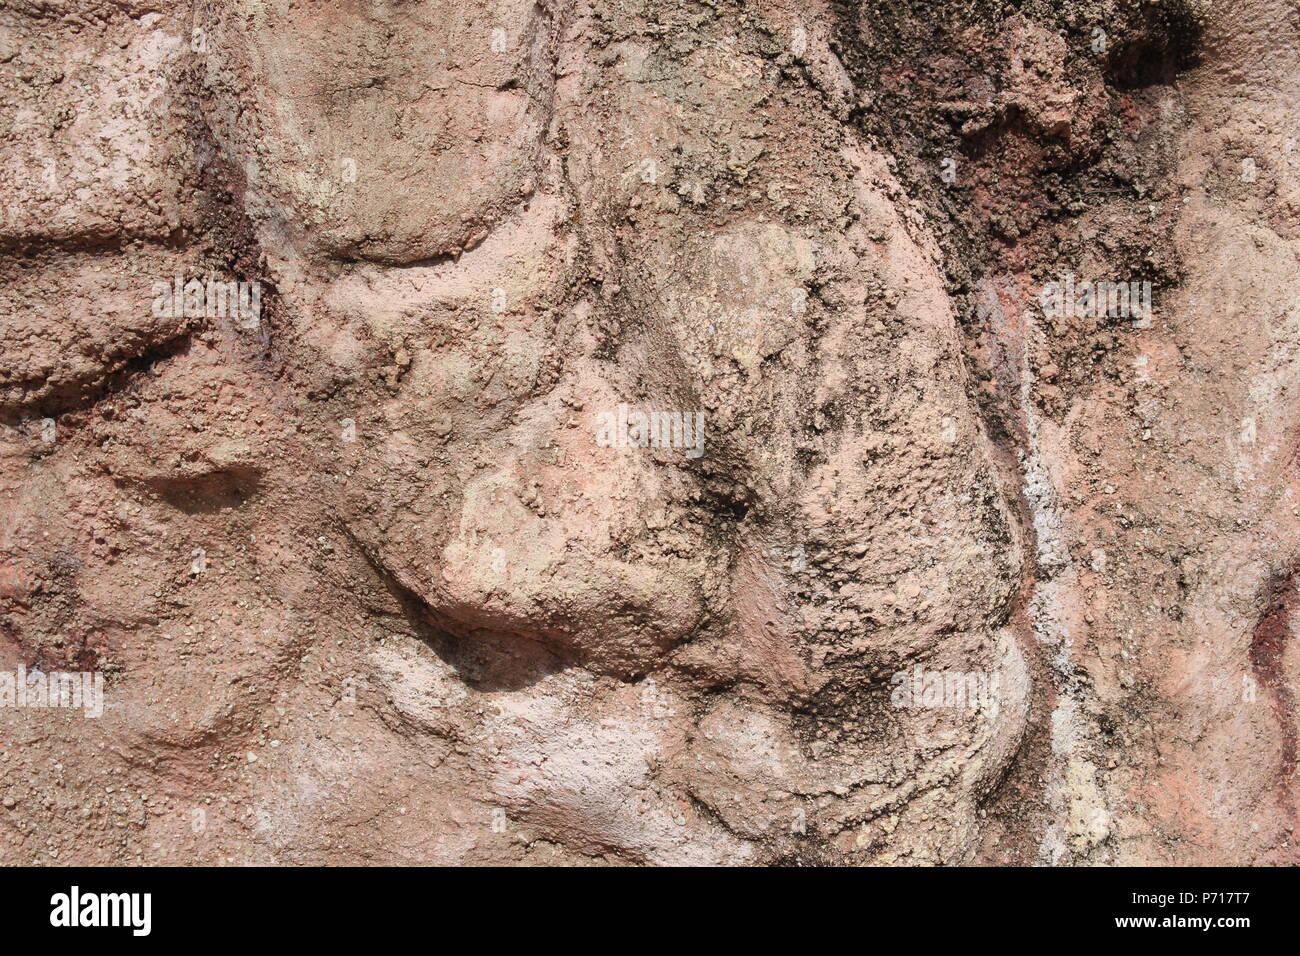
(468, 334)
(603, 472)
(788, 560)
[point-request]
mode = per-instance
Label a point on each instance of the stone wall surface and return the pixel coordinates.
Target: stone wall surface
(649, 432)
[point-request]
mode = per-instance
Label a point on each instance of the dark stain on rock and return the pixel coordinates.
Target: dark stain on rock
(1267, 649)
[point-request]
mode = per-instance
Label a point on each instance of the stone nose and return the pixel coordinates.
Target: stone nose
(596, 550)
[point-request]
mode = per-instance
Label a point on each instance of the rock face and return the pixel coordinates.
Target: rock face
(511, 432)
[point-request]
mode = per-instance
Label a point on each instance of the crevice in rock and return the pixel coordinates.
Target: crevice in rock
(1268, 643)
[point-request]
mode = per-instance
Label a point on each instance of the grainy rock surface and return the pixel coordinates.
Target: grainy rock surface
(368, 573)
